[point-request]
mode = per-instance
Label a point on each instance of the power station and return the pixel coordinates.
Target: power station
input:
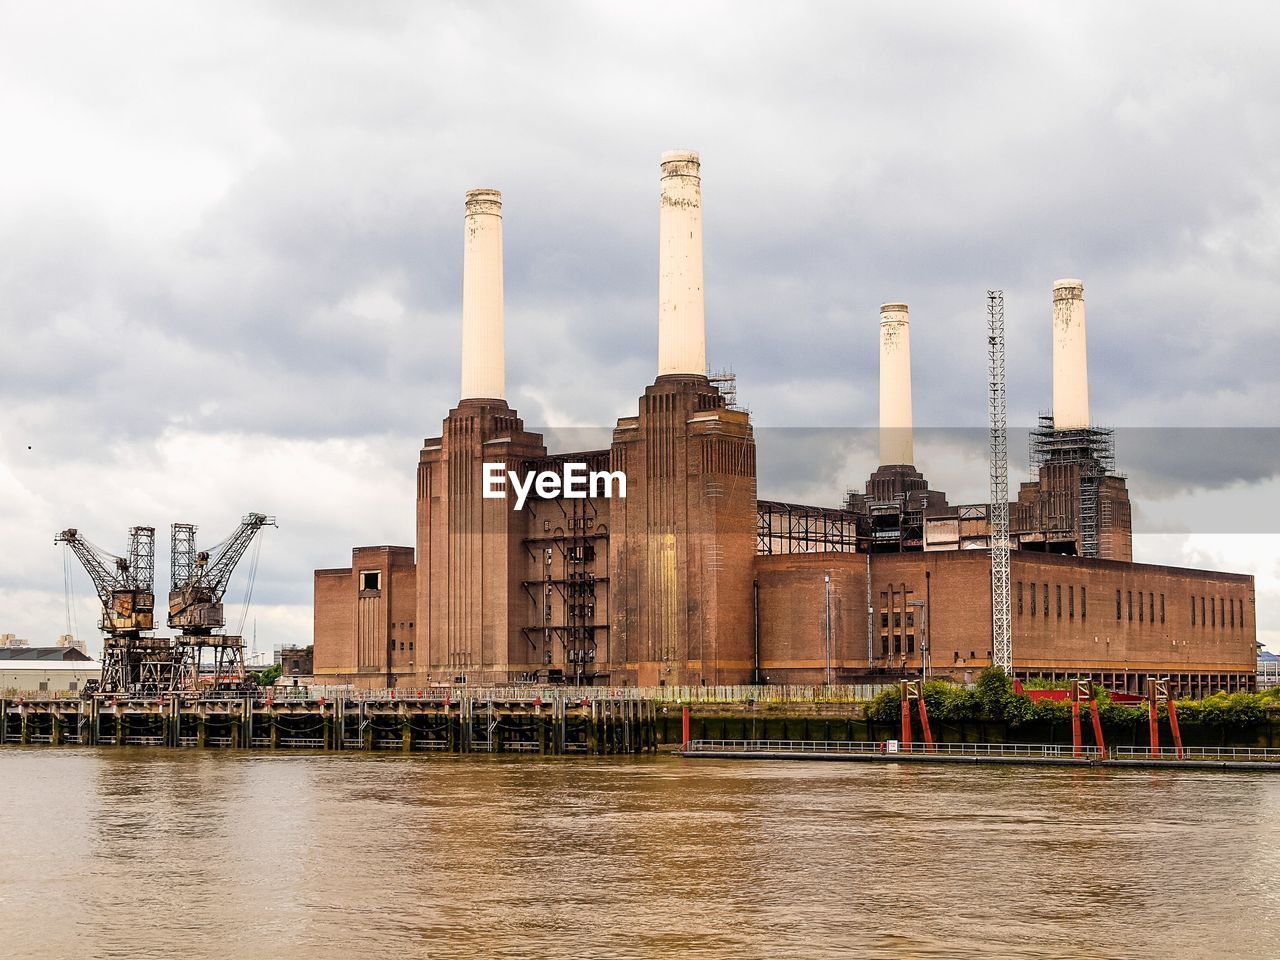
(691, 579)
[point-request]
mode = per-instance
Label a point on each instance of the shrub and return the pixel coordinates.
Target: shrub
(995, 689)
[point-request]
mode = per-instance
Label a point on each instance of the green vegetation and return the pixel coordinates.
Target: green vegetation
(270, 675)
(993, 701)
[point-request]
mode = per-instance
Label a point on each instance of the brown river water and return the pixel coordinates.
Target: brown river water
(151, 853)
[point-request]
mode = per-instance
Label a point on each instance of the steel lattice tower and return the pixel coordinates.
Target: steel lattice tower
(1001, 628)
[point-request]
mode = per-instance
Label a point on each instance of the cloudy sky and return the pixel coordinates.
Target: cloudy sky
(230, 272)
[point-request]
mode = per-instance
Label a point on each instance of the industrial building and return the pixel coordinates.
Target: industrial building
(25, 669)
(689, 578)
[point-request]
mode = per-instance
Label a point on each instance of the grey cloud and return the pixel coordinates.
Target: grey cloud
(851, 155)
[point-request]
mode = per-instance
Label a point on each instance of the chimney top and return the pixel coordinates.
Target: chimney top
(892, 308)
(680, 163)
(484, 200)
(1068, 289)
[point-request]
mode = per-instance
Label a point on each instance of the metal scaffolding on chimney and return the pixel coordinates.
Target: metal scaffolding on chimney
(1001, 626)
(1090, 452)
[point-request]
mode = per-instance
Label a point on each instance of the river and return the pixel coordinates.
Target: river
(151, 853)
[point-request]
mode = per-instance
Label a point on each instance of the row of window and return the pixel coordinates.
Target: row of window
(1037, 600)
(1219, 613)
(898, 640)
(402, 646)
(1146, 607)
(1038, 606)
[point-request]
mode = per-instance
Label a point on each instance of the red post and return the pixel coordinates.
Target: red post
(924, 722)
(906, 717)
(1097, 725)
(684, 720)
(1154, 745)
(1173, 725)
(1075, 729)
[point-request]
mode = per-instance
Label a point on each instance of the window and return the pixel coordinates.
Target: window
(370, 580)
(1232, 604)
(410, 646)
(1242, 613)
(72, 687)
(1162, 608)
(1033, 599)
(1151, 604)
(1193, 611)
(1140, 606)
(1019, 598)
(1222, 613)
(1213, 613)
(1046, 601)
(1129, 603)
(884, 618)
(897, 643)
(402, 646)
(1202, 620)
(911, 618)
(884, 645)
(1058, 592)
(44, 688)
(1084, 607)
(911, 643)
(897, 618)
(1118, 606)
(1071, 603)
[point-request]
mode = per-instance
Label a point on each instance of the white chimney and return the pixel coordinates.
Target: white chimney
(483, 355)
(682, 341)
(1070, 357)
(895, 386)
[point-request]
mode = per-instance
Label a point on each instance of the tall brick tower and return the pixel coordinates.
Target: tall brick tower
(897, 499)
(684, 536)
(1077, 503)
(470, 602)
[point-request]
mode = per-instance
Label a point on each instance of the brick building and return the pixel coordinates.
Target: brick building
(689, 578)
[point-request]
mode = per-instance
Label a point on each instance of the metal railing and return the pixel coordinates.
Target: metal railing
(1260, 754)
(891, 748)
(769, 693)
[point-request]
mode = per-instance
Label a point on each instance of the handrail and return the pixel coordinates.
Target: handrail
(890, 747)
(1198, 753)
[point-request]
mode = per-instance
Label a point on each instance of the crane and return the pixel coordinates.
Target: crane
(198, 582)
(130, 659)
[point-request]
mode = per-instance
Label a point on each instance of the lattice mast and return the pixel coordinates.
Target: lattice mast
(1001, 626)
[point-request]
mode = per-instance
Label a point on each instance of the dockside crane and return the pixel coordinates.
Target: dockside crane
(198, 581)
(131, 660)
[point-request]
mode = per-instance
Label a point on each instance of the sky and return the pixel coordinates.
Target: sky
(230, 254)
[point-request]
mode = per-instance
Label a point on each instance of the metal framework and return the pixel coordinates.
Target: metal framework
(1090, 451)
(130, 660)
(796, 528)
(1001, 626)
(726, 381)
(198, 582)
(568, 630)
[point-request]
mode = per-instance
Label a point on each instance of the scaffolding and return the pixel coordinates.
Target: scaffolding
(1090, 453)
(726, 381)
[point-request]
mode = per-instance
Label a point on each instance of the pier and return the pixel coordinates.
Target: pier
(415, 721)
